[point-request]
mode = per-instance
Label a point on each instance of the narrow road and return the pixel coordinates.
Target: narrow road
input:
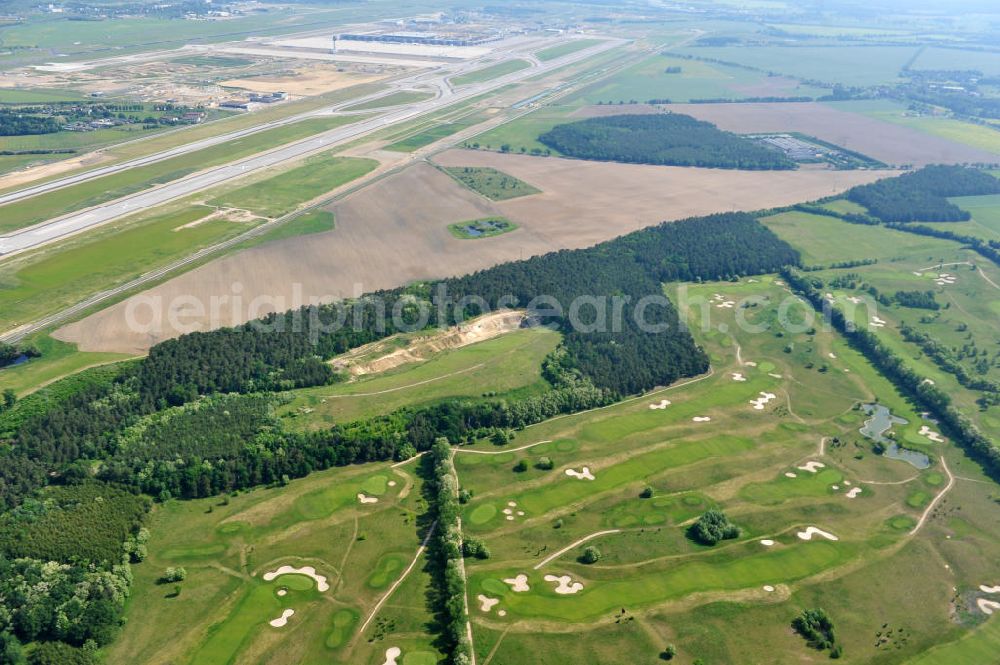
(553, 557)
(395, 585)
(937, 499)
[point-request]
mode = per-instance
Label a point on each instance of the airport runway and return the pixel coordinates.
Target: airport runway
(76, 222)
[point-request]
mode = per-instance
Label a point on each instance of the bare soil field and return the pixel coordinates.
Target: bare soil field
(883, 141)
(395, 231)
(311, 80)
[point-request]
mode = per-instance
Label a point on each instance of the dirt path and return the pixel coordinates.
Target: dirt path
(410, 385)
(558, 554)
(927, 512)
(395, 585)
(501, 452)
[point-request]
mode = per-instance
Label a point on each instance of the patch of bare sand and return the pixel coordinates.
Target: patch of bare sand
(380, 356)
(884, 141)
(395, 231)
(309, 81)
(34, 173)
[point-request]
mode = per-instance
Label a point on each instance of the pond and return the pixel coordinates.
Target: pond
(878, 424)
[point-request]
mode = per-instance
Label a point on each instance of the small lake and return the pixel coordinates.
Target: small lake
(879, 423)
(483, 227)
(20, 360)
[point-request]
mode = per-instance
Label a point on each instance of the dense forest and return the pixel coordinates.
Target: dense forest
(664, 139)
(16, 124)
(196, 416)
(922, 195)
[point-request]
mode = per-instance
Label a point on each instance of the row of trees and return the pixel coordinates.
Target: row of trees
(661, 138)
(446, 551)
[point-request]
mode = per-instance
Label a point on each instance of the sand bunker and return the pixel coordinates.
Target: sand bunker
(486, 603)
(722, 303)
(749, 363)
(876, 322)
(854, 300)
(502, 613)
(283, 619)
(364, 498)
(391, 654)
(832, 355)
(989, 589)
(930, 434)
(565, 584)
(582, 475)
(391, 483)
(811, 467)
(758, 404)
(987, 606)
(767, 542)
(774, 376)
(791, 474)
(768, 588)
(308, 571)
(518, 584)
(944, 279)
(737, 376)
(664, 403)
(701, 419)
(813, 531)
(282, 592)
(509, 512)
(854, 493)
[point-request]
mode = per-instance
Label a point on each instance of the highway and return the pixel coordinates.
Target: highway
(76, 222)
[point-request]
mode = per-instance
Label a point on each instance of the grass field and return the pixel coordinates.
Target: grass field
(58, 360)
(38, 95)
(313, 221)
(491, 72)
(433, 133)
(280, 194)
(61, 201)
(61, 275)
(395, 99)
(510, 363)
(859, 65)
(649, 80)
(521, 135)
(558, 51)
(491, 183)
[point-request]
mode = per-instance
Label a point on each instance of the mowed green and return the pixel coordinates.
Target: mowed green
(282, 193)
(53, 278)
(491, 72)
(99, 190)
